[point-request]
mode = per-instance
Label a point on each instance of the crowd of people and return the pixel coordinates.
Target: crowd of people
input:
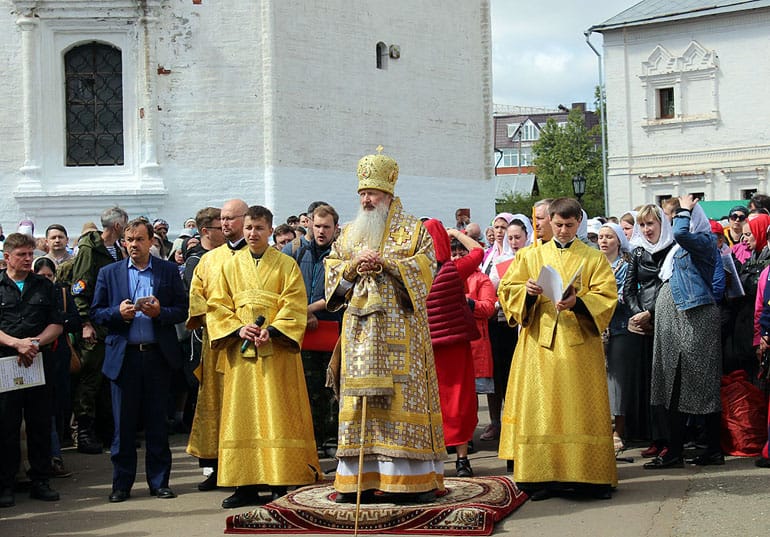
(274, 346)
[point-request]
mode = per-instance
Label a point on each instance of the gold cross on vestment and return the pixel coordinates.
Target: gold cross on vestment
(401, 235)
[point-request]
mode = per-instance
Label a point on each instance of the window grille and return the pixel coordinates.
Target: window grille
(94, 105)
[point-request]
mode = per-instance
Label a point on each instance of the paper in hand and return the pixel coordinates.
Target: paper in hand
(553, 286)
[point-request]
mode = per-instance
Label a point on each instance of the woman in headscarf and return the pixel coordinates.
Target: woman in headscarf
(502, 336)
(519, 233)
(739, 345)
(627, 222)
(452, 328)
(624, 359)
(686, 357)
(652, 238)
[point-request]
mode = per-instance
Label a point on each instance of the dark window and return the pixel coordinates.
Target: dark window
(665, 103)
(382, 55)
(746, 194)
(94, 90)
(700, 195)
(661, 199)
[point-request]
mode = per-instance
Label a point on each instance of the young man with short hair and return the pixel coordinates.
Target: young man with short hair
(556, 414)
(257, 309)
(57, 239)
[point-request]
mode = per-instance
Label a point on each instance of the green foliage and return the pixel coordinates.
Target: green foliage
(561, 153)
(516, 203)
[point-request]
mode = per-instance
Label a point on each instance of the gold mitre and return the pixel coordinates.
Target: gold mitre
(379, 172)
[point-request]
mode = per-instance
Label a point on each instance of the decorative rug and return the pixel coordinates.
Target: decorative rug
(471, 506)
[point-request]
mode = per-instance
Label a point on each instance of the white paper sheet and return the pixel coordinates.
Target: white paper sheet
(17, 377)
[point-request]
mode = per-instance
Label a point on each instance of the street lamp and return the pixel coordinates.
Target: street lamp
(579, 186)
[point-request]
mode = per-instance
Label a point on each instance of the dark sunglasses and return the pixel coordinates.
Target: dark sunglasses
(738, 217)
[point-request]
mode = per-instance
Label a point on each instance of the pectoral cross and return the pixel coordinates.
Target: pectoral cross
(401, 235)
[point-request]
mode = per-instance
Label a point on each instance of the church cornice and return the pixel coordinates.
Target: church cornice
(84, 9)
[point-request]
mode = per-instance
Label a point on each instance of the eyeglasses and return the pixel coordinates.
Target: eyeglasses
(231, 218)
(737, 217)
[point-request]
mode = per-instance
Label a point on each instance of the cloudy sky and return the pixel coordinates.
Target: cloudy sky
(539, 53)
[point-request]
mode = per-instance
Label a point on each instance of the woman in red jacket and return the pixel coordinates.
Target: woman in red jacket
(452, 328)
(481, 296)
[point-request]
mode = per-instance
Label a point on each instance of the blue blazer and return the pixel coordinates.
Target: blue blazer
(112, 288)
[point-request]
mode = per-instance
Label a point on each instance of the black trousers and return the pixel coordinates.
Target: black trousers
(34, 404)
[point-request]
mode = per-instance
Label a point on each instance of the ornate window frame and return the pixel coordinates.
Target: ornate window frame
(664, 70)
(48, 29)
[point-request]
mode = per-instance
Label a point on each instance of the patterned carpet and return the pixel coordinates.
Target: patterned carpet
(469, 507)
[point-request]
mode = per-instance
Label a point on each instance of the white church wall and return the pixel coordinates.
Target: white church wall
(273, 102)
(718, 141)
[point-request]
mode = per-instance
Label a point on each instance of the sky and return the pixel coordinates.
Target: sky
(539, 53)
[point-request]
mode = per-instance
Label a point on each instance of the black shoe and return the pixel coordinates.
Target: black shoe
(425, 497)
(762, 463)
(164, 493)
(542, 494)
(661, 463)
(345, 497)
(210, 483)
(463, 467)
(509, 466)
(87, 443)
(277, 492)
(367, 496)
(708, 459)
(245, 495)
(6, 498)
(601, 492)
(119, 495)
(41, 490)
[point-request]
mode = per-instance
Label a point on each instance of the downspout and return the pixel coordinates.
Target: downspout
(603, 105)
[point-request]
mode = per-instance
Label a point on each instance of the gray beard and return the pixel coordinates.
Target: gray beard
(368, 227)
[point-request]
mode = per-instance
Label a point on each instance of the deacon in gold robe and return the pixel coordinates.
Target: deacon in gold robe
(556, 422)
(382, 267)
(204, 434)
(266, 430)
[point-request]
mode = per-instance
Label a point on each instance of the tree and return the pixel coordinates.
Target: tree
(516, 203)
(561, 153)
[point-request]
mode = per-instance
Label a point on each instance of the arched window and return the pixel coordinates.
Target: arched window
(382, 55)
(94, 105)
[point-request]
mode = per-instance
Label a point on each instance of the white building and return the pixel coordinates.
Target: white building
(164, 107)
(686, 89)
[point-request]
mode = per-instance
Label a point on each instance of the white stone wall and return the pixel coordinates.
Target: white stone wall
(718, 143)
(272, 101)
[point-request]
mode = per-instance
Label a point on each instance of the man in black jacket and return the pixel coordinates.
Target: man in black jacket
(29, 320)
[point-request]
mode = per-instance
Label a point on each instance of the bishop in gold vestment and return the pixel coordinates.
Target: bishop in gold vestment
(386, 347)
(266, 432)
(556, 422)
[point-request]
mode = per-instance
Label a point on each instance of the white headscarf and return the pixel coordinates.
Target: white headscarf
(492, 257)
(665, 239)
(625, 246)
(527, 226)
(699, 223)
(582, 232)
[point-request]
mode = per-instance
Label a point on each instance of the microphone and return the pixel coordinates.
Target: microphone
(259, 322)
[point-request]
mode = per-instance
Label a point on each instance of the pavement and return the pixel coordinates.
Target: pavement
(729, 500)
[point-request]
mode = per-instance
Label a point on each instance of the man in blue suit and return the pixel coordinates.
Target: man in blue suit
(139, 300)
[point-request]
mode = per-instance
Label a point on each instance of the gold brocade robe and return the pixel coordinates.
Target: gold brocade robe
(386, 347)
(556, 422)
(204, 434)
(266, 431)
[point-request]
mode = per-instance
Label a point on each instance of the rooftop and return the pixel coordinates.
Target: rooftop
(657, 11)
